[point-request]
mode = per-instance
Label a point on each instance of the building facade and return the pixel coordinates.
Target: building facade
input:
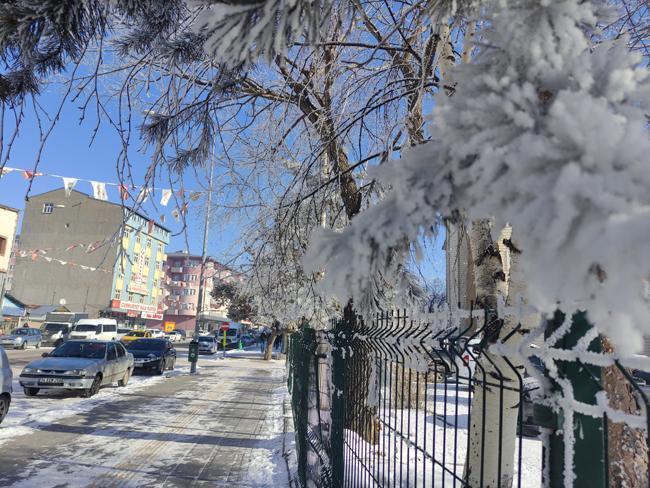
(90, 255)
(8, 226)
(183, 273)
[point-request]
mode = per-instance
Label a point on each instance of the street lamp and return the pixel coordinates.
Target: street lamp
(194, 345)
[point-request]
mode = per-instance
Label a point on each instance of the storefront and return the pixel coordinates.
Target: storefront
(134, 314)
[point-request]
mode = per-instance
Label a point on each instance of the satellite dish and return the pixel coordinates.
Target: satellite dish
(62, 302)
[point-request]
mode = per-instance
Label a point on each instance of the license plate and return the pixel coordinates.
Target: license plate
(50, 381)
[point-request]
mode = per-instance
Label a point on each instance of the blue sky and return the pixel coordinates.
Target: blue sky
(68, 152)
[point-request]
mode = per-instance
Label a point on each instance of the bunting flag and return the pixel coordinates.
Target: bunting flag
(5, 171)
(166, 195)
(143, 195)
(30, 175)
(176, 214)
(184, 208)
(162, 217)
(195, 195)
(68, 185)
(124, 192)
(34, 256)
(99, 190)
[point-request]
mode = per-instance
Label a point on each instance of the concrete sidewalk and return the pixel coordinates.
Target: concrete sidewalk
(222, 427)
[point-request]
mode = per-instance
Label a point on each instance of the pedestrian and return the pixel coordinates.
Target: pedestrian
(263, 339)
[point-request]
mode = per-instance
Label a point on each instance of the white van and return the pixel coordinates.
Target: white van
(101, 329)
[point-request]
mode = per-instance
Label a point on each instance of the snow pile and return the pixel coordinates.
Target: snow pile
(547, 132)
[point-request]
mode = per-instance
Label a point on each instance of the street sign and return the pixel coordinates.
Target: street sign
(225, 327)
(170, 326)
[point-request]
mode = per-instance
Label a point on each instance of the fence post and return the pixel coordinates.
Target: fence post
(338, 406)
(588, 457)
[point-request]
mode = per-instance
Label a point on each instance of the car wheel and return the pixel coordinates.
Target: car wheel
(4, 406)
(94, 388)
(23, 345)
(30, 391)
(125, 379)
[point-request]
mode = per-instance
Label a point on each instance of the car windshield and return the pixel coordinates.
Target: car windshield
(231, 332)
(20, 331)
(147, 345)
(86, 328)
(123, 331)
(206, 339)
(90, 350)
(55, 327)
(137, 333)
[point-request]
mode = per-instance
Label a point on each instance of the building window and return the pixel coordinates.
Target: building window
(138, 239)
(131, 297)
(193, 277)
(48, 208)
(118, 295)
(141, 299)
(146, 261)
(3, 245)
(149, 243)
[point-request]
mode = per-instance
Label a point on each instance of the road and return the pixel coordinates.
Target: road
(222, 427)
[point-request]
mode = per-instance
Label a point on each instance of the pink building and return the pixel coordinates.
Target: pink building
(183, 272)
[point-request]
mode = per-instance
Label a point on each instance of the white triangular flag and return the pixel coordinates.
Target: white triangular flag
(69, 184)
(99, 190)
(5, 171)
(143, 195)
(166, 195)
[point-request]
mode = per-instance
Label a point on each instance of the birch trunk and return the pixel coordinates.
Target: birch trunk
(627, 448)
(494, 409)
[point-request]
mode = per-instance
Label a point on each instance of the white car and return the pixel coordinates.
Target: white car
(156, 333)
(174, 336)
(95, 329)
(6, 376)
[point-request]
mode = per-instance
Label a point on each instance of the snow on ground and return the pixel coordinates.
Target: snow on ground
(440, 430)
(27, 414)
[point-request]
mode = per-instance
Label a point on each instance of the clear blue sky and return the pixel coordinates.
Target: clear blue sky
(68, 153)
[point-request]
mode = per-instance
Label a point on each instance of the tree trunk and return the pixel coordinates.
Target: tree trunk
(268, 352)
(495, 410)
(627, 449)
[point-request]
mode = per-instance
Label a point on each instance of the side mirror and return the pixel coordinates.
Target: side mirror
(45, 354)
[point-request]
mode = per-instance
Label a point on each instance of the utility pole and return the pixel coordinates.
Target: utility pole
(199, 305)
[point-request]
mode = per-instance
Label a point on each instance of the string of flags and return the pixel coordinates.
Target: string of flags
(139, 194)
(34, 255)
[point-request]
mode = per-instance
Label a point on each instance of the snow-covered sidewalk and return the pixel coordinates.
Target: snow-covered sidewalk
(224, 426)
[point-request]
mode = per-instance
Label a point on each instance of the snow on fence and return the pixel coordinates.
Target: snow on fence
(460, 402)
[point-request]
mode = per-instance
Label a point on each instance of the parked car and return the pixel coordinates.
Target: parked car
(207, 344)
(136, 334)
(22, 337)
(156, 355)
(122, 331)
(55, 333)
(174, 336)
(156, 333)
(248, 340)
(78, 365)
(98, 329)
(6, 377)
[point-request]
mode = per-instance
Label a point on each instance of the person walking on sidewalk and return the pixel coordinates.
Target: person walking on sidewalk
(263, 338)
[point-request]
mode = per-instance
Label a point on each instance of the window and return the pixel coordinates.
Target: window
(121, 352)
(130, 297)
(192, 277)
(148, 242)
(141, 299)
(48, 208)
(186, 277)
(112, 353)
(190, 291)
(110, 328)
(118, 295)
(146, 261)
(138, 238)
(3, 245)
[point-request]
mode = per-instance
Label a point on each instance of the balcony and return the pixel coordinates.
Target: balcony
(176, 269)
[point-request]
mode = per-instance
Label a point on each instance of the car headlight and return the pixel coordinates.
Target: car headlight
(18, 340)
(75, 372)
(30, 370)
